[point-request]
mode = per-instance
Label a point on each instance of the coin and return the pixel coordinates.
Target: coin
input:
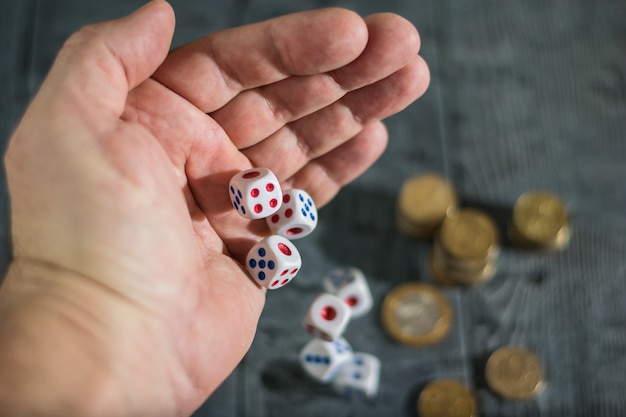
(469, 265)
(423, 202)
(514, 373)
(452, 277)
(446, 398)
(470, 235)
(416, 314)
(438, 271)
(466, 249)
(540, 220)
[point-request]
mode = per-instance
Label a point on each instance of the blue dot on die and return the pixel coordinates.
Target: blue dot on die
(301, 197)
(261, 275)
(252, 263)
(312, 216)
(239, 194)
(309, 202)
(356, 375)
(271, 264)
(243, 209)
(232, 189)
(261, 251)
(261, 264)
(304, 212)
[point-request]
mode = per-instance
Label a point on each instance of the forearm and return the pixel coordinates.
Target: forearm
(53, 359)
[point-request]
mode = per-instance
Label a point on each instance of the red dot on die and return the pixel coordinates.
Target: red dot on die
(284, 249)
(275, 218)
(273, 202)
(273, 284)
(251, 174)
(269, 187)
(328, 313)
(288, 213)
(294, 271)
(351, 301)
(293, 231)
(258, 208)
(284, 272)
(286, 198)
(255, 192)
(284, 281)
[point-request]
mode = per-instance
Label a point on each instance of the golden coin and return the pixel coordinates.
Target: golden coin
(540, 219)
(424, 201)
(446, 398)
(514, 373)
(560, 241)
(454, 277)
(416, 314)
(438, 271)
(469, 235)
(470, 265)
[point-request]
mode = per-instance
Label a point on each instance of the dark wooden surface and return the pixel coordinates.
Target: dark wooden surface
(525, 95)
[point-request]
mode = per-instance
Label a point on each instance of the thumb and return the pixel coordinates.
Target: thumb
(99, 64)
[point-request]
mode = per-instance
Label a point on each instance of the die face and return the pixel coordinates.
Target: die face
(255, 193)
(350, 285)
(327, 317)
(297, 216)
(273, 262)
(322, 360)
(359, 376)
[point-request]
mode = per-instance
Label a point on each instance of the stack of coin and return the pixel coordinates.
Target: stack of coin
(446, 397)
(423, 202)
(416, 314)
(540, 221)
(466, 249)
(514, 373)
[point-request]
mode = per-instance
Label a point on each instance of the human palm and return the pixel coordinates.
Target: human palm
(118, 173)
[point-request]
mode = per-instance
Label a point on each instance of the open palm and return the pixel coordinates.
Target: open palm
(118, 176)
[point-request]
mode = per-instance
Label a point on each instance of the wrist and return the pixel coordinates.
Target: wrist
(64, 345)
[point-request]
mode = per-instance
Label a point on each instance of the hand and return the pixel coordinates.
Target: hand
(127, 293)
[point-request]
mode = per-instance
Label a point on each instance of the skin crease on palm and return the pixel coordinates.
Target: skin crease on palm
(126, 294)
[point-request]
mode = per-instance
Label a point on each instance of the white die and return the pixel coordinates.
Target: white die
(273, 262)
(255, 193)
(297, 216)
(327, 317)
(350, 285)
(359, 376)
(322, 359)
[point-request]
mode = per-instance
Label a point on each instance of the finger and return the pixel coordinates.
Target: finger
(99, 64)
(393, 41)
(325, 176)
(293, 146)
(390, 95)
(212, 70)
(255, 114)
